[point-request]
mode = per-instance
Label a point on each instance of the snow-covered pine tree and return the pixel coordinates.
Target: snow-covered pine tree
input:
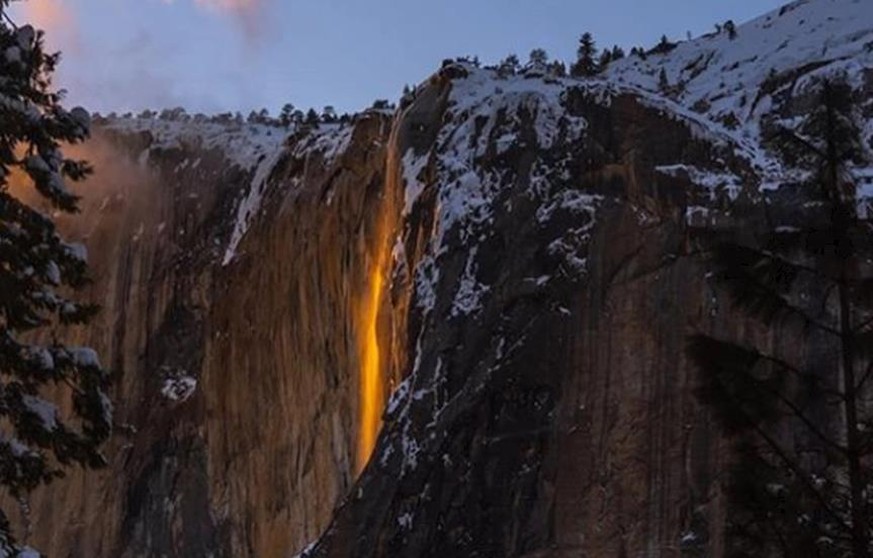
(800, 420)
(328, 114)
(39, 275)
(557, 69)
(538, 61)
(286, 116)
(509, 66)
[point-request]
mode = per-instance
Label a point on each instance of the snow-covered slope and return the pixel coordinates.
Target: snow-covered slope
(252, 147)
(732, 80)
(721, 86)
(244, 144)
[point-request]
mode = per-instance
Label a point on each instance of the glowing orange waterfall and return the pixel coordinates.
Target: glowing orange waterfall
(372, 380)
(371, 396)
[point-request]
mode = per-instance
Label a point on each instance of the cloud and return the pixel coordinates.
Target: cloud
(229, 5)
(47, 13)
(147, 72)
(248, 13)
(58, 21)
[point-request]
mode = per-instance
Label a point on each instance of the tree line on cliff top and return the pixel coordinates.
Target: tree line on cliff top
(589, 61)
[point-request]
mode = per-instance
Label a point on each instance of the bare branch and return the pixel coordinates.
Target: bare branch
(801, 474)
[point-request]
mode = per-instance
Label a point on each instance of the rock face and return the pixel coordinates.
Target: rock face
(237, 383)
(508, 256)
(547, 407)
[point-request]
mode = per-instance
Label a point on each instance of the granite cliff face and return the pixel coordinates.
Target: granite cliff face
(507, 257)
(234, 271)
(547, 406)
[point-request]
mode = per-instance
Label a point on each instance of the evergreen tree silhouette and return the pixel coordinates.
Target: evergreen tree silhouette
(800, 426)
(586, 62)
(39, 275)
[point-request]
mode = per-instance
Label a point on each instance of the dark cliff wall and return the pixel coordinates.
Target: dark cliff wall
(556, 418)
(546, 287)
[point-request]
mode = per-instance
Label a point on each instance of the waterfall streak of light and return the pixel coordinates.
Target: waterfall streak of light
(371, 397)
(372, 380)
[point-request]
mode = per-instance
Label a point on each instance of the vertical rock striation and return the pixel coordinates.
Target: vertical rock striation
(231, 320)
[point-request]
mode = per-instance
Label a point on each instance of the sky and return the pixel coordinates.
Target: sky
(217, 55)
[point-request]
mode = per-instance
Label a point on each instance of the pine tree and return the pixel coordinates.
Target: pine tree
(557, 69)
(328, 114)
(801, 428)
(605, 59)
(586, 64)
(406, 97)
(538, 60)
(286, 117)
(39, 273)
(663, 82)
(731, 29)
(311, 118)
(664, 45)
(617, 53)
(508, 66)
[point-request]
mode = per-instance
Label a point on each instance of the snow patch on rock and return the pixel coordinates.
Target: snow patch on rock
(250, 205)
(47, 412)
(711, 181)
(470, 292)
(243, 144)
(179, 389)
